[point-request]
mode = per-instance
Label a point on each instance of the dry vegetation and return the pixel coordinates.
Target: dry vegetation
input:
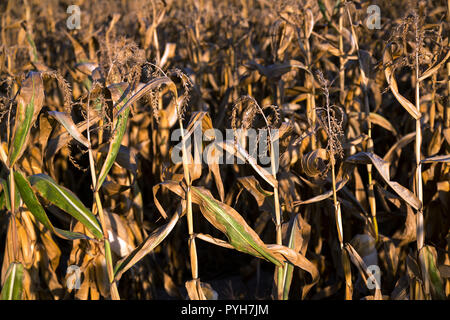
(364, 150)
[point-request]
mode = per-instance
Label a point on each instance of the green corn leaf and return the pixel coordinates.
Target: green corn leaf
(33, 48)
(35, 207)
(12, 288)
(119, 93)
(29, 104)
(119, 131)
(230, 222)
(437, 285)
(67, 201)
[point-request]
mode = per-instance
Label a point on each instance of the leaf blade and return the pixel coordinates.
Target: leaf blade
(35, 207)
(13, 286)
(29, 104)
(230, 222)
(67, 201)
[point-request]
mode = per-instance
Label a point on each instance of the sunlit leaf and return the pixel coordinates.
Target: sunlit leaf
(33, 204)
(67, 201)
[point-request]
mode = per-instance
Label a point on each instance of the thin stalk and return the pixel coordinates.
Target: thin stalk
(108, 256)
(12, 197)
(369, 147)
(420, 231)
(310, 98)
(418, 144)
(447, 111)
(192, 246)
(337, 209)
(341, 58)
(279, 239)
(338, 219)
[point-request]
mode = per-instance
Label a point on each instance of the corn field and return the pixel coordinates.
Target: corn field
(108, 193)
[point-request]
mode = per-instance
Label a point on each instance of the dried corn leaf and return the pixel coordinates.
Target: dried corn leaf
(412, 110)
(383, 169)
(152, 241)
(66, 121)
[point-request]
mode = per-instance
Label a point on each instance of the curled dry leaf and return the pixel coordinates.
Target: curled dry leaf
(390, 78)
(315, 162)
(383, 169)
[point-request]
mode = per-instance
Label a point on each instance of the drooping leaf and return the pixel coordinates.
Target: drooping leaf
(339, 185)
(67, 201)
(377, 119)
(288, 255)
(33, 204)
(230, 222)
(364, 271)
(396, 147)
(383, 169)
(430, 71)
(78, 49)
(263, 197)
(152, 241)
(390, 77)
(235, 149)
(67, 122)
(285, 254)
